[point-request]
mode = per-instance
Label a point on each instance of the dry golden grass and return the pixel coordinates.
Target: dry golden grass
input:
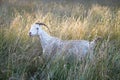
(21, 56)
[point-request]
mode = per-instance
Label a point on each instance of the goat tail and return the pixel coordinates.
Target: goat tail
(94, 42)
(97, 39)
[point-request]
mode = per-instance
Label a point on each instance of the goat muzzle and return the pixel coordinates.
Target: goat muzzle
(30, 34)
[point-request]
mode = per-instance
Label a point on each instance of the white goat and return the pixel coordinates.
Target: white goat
(52, 45)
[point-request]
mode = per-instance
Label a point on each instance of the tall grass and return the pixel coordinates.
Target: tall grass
(21, 56)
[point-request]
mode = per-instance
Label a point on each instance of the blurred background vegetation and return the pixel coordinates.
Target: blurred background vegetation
(21, 56)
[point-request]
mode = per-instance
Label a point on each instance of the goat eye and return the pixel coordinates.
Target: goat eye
(37, 28)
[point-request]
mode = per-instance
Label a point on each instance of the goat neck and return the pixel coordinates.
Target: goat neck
(44, 38)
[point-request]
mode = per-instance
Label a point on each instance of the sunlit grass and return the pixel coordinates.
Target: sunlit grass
(21, 56)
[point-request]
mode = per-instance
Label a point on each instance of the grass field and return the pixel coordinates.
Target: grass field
(21, 56)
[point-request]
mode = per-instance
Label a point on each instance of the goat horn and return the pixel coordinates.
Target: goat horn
(44, 25)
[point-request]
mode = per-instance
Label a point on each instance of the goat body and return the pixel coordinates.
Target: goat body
(52, 45)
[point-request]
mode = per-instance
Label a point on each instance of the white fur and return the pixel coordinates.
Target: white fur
(52, 45)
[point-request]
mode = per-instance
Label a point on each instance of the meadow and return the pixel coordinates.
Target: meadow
(21, 56)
